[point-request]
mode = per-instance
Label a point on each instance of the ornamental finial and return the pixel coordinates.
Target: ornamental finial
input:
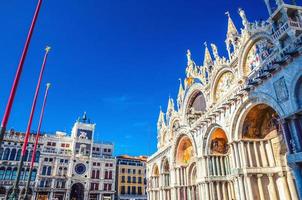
(47, 49)
(48, 85)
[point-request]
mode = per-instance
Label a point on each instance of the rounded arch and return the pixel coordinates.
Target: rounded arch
(77, 191)
(192, 174)
(155, 170)
(245, 49)
(230, 77)
(174, 126)
(165, 165)
(241, 112)
(184, 150)
(194, 104)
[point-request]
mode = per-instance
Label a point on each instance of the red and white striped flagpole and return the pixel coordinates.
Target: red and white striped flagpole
(14, 195)
(36, 142)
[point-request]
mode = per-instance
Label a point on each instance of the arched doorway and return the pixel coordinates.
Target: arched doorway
(218, 165)
(154, 183)
(193, 191)
(184, 158)
(166, 178)
(77, 192)
(262, 149)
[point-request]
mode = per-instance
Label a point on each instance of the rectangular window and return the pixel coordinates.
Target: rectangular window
(139, 190)
(133, 190)
(129, 190)
(123, 190)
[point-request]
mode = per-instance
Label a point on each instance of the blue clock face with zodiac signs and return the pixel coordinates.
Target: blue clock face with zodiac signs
(80, 168)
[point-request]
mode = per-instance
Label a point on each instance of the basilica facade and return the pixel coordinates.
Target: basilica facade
(235, 131)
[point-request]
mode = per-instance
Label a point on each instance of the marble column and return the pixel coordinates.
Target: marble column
(249, 187)
(256, 154)
(292, 186)
(260, 186)
(218, 190)
(298, 178)
(243, 154)
(241, 188)
(272, 187)
(263, 154)
(249, 154)
(224, 191)
(283, 187)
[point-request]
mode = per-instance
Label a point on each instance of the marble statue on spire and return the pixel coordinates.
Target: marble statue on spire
(215, 51)
(161, 120)
(180, 95)
(245, 22)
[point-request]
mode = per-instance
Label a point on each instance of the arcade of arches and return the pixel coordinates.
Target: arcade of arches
(252, 166)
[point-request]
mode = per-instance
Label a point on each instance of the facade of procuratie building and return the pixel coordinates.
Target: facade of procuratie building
(67, 167)
(235, 132)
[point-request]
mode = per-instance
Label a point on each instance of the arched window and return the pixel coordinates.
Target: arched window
(49, 171)
(18, 155)
(2, 171)
(60, 170)
(6, 154)
(8, 173)
(44, 170)
(106, 174)
(33, 175)
(110, 174)
(14, 176)
(37, 158)
(12, 154)
(30, 155)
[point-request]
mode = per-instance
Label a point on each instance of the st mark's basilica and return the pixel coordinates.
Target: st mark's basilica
(235, 131)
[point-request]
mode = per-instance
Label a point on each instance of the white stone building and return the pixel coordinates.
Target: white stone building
(69, 167)
(236, 131)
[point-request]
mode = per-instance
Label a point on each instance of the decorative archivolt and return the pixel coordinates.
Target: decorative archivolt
(254, 52)
(184, 149)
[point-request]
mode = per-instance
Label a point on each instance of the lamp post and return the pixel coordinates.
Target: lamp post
(14, 195)
(18, 75)
(36, 143)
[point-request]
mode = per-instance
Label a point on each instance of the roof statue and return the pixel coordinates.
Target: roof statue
(180, 95)
(215, 52)
(190, 61)
(245, 22)
(161, 119)
(170, 107)
(84, 118)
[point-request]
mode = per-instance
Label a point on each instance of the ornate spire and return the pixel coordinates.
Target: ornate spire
(207, 56)
(161, 120)
(84, 118)
(232, 30)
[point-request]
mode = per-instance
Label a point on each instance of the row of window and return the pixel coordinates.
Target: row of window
(13, 154)
(95, 186)
(99, 164)
(131, 190)
(139, 179)
(11, 174)
(95, 174)
(61, 184)
(131, 171)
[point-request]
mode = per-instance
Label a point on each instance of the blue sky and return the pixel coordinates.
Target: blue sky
(119, 60)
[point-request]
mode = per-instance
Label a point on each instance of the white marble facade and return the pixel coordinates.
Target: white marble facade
(235, 132)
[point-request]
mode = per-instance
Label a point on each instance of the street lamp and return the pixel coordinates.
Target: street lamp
(14, 194)
(18, 75)
(36, 143)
